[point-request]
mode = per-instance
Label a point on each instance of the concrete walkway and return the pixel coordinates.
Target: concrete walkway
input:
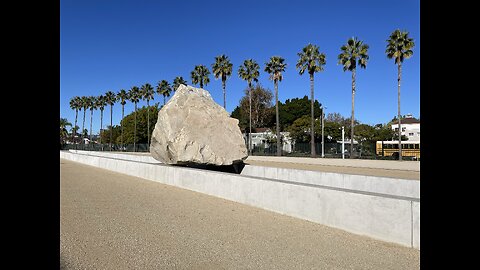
(114, 221)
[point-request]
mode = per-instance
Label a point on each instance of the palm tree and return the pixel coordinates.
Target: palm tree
(100, 103)
(110, 99)
(134, 96)
(123, 97)
(177, 81)
(399, 47)
(163, 88)
(222, 68)
(353, 53)
(311, 60)
(84, 101)
(63, 129)
(146, 92)
(92, 104)
(75, 104)
(200, 75)
(275, 67)
(249, 72)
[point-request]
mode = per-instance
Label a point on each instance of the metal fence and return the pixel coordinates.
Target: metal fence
(366, 150)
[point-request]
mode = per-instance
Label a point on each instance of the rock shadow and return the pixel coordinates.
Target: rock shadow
(234, 168)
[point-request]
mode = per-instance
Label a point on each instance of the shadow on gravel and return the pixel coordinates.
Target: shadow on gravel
(234, 168)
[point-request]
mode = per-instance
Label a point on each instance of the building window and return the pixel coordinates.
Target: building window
(410, 134)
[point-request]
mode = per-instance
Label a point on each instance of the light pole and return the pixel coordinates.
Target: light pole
(343, 142)
(323, 142)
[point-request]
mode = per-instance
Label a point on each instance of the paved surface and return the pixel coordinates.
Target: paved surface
(403, 174)
(114, 221)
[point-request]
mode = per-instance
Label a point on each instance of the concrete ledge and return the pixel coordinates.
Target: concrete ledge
(378, 216)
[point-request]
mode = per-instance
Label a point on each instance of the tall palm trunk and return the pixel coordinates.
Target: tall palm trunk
(75, 127)
(201, 84)
(111, 127)
(121, 138)
(279, 150)
(164, 99)
(312, 132)
(399, 115)
(101, 126)
(353, 113)
(250, 117)
(224, 95)
(135, 130)
(148, 123)
(91, 118)
(83, 125)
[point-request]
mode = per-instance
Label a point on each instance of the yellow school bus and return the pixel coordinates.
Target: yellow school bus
(390, 148)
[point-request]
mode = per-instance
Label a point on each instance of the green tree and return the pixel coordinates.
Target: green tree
(134, 96)
(110, 99)
(146, 92)
(177, 81)
(222, 68)
(275, 67)
(200, 75)
(75, 104)
(353, 53)
(63, 129)
(112, 135)
(295, 108)
(100, 104)
(136, 124)
(163, 88)
(249, 72)
(300, 129)
(123, 97)
(399, 47)
(311, 60)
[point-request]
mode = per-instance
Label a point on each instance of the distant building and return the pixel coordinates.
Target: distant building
(261, 136)
(410, 127)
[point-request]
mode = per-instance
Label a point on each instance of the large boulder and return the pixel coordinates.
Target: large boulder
(192, 128)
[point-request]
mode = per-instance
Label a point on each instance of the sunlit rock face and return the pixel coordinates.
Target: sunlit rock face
(193, 128)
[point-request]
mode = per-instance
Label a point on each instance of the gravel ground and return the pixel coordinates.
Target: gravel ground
(114, 221)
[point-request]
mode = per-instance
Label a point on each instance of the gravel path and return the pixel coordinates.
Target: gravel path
(114, 221)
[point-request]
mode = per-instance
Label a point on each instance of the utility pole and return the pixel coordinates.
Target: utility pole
(323, 141)
(343, 142)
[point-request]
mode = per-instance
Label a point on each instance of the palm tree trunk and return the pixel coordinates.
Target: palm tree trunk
(353, 113)
(101, 126)
(83, 125)
(111, 127)
(91, 118)
(224, 95)
(74, 127)
(201, 84)
(148, 123)
(279, 150)
(164, 99)
(121, 138)
(250, 117)
(399, 115)
(135, 130)
(312, 132)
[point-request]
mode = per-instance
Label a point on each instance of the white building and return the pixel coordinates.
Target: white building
(410, 127)
(262, 136)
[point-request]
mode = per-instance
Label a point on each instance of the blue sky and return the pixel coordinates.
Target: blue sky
(112, 45)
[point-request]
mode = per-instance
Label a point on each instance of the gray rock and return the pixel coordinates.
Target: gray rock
(192, 128)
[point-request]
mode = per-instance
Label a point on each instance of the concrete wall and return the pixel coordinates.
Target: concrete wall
(381, 216)
(384, 185)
